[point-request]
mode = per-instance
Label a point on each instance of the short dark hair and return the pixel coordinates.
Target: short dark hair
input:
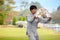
(33, 7)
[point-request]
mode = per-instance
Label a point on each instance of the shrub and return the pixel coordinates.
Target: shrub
(14, 21)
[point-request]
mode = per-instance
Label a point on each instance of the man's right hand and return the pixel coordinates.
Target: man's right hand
(35, 17)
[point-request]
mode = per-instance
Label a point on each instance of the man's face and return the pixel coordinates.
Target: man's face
(33, 11)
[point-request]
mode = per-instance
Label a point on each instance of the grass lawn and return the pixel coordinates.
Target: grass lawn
(20, 34)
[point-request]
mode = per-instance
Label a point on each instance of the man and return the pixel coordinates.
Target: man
(32, 22)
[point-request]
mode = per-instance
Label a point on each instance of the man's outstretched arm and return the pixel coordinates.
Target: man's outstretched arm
(44, 20)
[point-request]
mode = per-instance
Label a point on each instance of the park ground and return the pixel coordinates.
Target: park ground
(20, 34)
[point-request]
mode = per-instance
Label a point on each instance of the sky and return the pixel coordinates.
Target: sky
(50, 5)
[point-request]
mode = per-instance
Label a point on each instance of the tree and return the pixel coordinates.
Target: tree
(37, 4)
(1, 11)
(58, 8)
(5, 8)
(25, 7)
(56, 15)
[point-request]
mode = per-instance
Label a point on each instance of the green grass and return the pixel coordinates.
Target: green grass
(20, 34)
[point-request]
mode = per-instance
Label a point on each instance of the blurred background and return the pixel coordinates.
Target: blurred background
(14, 12)
(13, 19)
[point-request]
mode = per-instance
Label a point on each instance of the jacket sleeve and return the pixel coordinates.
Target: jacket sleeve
(43, 20)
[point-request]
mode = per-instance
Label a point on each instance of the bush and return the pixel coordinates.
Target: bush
(2, 18)
(24, 18)
(14, 21)
(21, 18)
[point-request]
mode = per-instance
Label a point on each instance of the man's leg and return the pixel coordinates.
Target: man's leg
(31, 36)
(36, 35)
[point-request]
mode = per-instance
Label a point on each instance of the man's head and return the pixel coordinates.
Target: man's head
(33, 9)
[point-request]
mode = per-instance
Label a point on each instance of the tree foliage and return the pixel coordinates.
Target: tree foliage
(5, 9)
(56, 15)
